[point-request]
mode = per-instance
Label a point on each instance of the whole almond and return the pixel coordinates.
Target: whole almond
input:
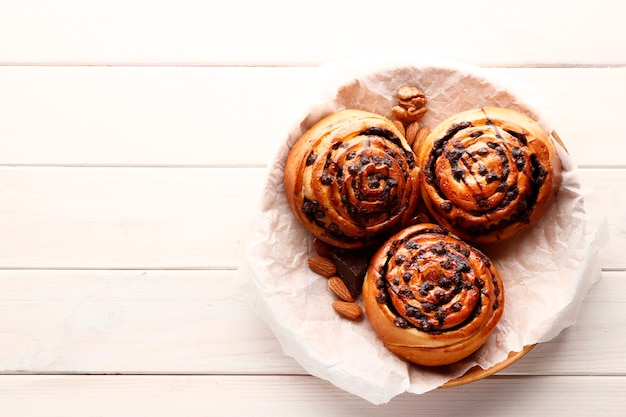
(351, 311)
(419, 137)
(322, 266)
(411, 132)
(337, 286)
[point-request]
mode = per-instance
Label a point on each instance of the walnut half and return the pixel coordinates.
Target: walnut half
(411, 104)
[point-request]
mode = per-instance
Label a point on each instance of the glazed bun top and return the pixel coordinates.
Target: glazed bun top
(352, 179)
(488, 173)
(432, 299)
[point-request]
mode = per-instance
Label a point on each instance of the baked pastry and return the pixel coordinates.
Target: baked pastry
(488, 173)
(432, 298)
(352, 178)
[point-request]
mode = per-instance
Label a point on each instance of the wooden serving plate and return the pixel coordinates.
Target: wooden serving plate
(477, 373)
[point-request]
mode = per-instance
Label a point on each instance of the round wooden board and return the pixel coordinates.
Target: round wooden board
(477, 373)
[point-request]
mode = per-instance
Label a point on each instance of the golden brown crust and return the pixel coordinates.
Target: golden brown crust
(352, 178)
(432, 298)
(488, 173)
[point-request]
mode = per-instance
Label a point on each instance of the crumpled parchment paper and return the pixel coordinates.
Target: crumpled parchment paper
(547, 271)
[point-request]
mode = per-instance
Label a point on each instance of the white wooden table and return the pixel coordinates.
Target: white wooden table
(133, 140)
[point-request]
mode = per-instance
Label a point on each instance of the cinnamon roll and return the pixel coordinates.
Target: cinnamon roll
(432, 298)
(488, 173)
(351, 179)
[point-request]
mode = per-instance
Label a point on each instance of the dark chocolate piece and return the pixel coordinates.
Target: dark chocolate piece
(352, 267)
(351, 264)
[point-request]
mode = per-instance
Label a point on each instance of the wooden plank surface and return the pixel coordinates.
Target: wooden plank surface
(133, 218)
(133, 137)
(153, 396)
(208, 116)
(242, 32)
(198, 322)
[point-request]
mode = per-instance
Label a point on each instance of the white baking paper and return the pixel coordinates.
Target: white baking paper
(547, 271)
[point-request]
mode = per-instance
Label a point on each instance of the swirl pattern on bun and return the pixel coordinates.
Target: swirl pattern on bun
(352, 179)
(488, 173)
(432, 298)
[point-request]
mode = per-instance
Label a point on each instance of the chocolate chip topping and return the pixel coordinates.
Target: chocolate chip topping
(465, 163)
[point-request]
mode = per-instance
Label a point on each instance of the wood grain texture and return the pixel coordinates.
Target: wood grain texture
(155, 396)
(217, 116)
(198, 322)
(133, 137)
(125, 217)
(242, 32)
